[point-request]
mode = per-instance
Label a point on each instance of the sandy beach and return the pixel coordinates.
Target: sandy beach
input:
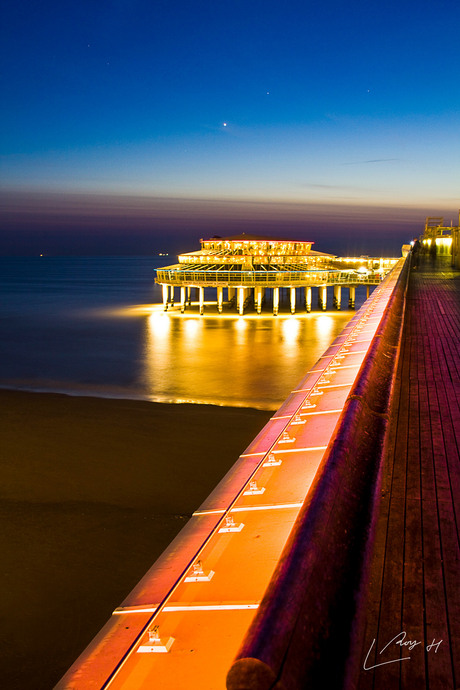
(92, 492)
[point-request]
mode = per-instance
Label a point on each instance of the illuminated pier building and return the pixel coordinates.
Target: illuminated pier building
(253, 269)
(443, 238)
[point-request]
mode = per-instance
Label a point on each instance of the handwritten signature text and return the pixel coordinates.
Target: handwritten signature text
(399, 640)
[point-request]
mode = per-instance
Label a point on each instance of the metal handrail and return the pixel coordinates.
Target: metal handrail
(268, 279)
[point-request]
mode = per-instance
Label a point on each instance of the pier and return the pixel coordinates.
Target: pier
(253, 270)
(334, 533)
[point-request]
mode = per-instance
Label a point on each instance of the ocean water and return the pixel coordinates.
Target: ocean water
(96, 326)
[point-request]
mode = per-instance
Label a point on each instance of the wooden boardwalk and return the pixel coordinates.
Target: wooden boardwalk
(414, 592)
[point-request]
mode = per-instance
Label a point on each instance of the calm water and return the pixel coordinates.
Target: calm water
(95, 326)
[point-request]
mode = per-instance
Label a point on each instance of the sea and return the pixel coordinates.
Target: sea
(95, 326)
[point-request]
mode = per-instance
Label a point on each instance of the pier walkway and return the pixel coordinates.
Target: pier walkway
(353, 584)
(415, 567)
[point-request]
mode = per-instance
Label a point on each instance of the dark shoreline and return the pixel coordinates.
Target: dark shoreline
(93, 490)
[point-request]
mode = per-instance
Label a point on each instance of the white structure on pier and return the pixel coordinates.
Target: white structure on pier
(251, 267)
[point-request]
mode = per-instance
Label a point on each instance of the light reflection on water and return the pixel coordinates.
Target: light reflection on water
(94, 326)
(237, 361)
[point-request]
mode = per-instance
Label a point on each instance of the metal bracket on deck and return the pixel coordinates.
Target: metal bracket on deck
(253, 489)
(271, 461)
(285, 438)
(230, 525)
(198, 575)
(316, 391)
(155, 643)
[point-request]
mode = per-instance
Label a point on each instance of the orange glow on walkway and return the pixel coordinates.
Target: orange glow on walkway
(203, 592)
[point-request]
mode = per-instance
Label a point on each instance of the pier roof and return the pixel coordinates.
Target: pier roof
(244, 237)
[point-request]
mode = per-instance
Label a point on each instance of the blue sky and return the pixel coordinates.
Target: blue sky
(339, 106)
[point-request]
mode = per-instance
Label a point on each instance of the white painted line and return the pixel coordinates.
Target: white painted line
(273, 506)
(312, 414)
(346, 366)
(211, 607)
(336, 385)
(299, 450)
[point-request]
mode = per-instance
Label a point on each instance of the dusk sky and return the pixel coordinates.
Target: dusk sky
(140, 126)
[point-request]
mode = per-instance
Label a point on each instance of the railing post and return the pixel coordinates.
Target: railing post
(241, 300)
(337, 296)
(351, 297)
(322, 297)
(308, 299)
(276, 300)
(258, 299)
(165, 291)
(292, 291)
(220, 295)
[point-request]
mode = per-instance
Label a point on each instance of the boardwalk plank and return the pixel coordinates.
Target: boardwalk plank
(416, 560)
(451, 567)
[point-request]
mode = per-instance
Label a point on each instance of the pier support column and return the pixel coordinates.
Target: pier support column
(351, 297)
(172, 295)
(165, 292)
(367, 291)
(322, 297)
(292, 299)
(308, 299)
(189, 295)
(182, 299)
(201, 299)
(276, 301)
(220, 297)
(241, 296)
(337, 296)
(258, 299)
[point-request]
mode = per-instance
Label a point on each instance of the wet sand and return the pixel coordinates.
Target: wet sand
(92, 491)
